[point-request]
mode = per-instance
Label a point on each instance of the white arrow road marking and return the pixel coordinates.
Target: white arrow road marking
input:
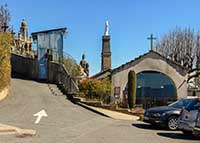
(40, 115)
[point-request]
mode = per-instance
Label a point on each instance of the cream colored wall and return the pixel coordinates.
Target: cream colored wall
(152, 63)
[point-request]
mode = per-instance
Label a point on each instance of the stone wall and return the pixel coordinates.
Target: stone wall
(59, 75)
(28, 68)
(24, 66)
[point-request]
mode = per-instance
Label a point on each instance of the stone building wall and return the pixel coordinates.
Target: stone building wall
(151, 62)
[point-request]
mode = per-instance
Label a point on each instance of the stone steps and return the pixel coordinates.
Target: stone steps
(55, 90)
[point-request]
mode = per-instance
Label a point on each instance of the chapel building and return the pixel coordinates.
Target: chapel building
(159, 80)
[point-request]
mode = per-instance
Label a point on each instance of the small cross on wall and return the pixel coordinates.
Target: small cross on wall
(151, 38)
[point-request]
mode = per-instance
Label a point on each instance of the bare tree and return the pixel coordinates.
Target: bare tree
(181, 46)
(197, 51)
(4, 17)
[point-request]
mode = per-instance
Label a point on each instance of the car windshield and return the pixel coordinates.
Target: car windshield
(181, 103)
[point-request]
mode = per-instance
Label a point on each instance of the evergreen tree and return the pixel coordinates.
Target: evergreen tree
(131, 89)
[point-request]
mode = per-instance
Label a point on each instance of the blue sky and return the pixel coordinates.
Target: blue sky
(131, 22)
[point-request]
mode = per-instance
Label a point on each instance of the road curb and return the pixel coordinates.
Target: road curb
(19, 132)
(110, 114)
(91, 109)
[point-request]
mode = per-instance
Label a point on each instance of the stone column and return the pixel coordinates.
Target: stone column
(106, 53)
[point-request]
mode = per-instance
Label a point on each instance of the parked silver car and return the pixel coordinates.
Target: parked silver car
(197, 126)
(167, 116)
(187, 119)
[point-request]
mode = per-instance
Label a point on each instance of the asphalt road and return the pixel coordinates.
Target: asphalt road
(69, 123)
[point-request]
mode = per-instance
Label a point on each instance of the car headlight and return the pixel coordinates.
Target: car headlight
(157, 115)
(163, 114)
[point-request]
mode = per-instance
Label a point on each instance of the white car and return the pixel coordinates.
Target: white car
(197, 126)
(187, 119)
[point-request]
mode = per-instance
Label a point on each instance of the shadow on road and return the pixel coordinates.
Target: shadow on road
(148, 126)
(20, 76)
(178, 136)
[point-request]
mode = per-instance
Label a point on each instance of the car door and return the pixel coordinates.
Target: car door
(191, 112)
(198, 120)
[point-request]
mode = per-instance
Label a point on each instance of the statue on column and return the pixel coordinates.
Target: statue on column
(84, 65)
(106, 32)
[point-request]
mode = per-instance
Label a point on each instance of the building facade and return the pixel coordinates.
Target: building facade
(159, 80)
(22, 43)
(49, 45)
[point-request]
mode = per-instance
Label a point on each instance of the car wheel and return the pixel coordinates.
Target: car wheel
(172, 123)
(196, 134)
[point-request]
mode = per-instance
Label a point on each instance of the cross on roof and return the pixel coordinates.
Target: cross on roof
(4, 27)
(151, 38)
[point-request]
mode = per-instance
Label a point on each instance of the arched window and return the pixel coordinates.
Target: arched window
(154, 89)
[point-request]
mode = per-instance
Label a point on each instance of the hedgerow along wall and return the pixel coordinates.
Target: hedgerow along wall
(5, 66)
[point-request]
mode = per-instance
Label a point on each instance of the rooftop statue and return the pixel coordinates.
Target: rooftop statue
(106, 32)
(84, 65)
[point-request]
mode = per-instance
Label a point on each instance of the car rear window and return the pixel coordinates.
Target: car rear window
(194, 105)
(181, 103)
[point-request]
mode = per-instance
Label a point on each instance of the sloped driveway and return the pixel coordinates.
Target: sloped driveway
(67, 122)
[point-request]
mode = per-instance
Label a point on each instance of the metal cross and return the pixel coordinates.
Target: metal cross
(4, 27)
(151, 38)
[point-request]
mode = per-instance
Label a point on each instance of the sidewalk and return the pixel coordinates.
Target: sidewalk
(19, 132)
(111, 114)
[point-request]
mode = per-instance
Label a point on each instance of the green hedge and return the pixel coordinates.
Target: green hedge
(96, 89)
(5, 66)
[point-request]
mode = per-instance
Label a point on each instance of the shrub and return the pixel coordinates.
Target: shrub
(5, 67)
(131, 89)
(96, 89)
(72, 67)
